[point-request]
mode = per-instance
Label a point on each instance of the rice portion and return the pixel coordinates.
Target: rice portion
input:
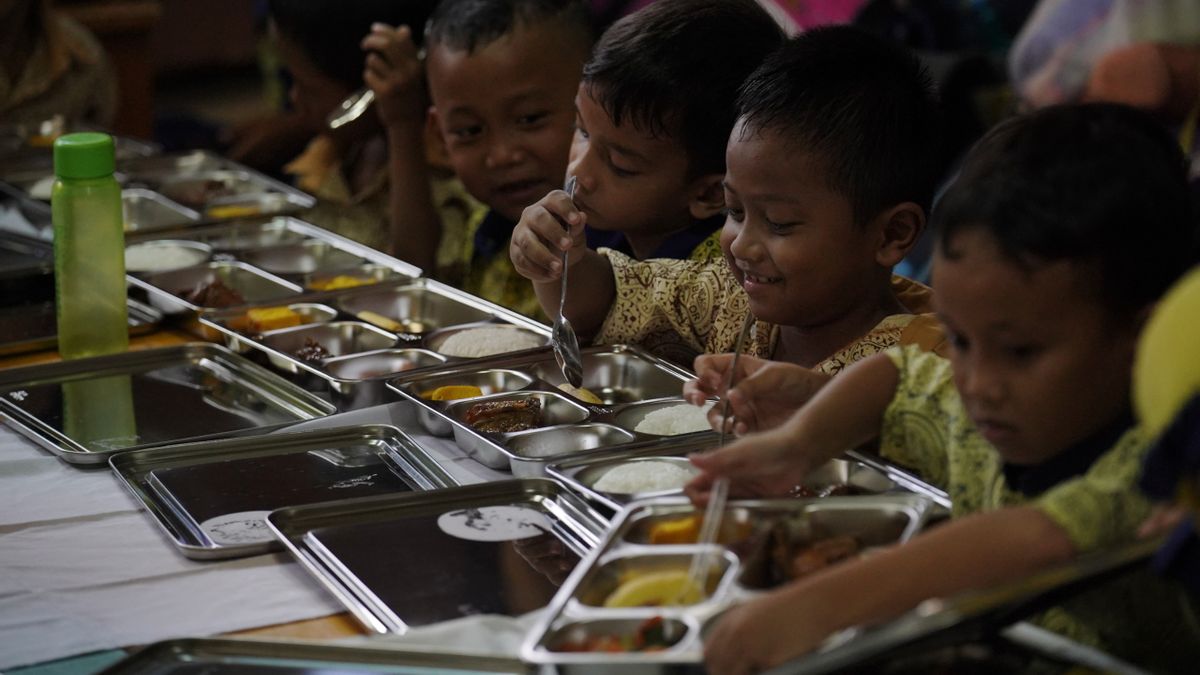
(476, 342)
(636, 477)
(682, 418)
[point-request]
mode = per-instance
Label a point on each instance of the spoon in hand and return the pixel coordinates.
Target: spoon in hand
(562, 336)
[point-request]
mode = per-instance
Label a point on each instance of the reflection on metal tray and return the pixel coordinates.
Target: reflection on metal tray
(212, 497)
(850, 475)
(212, 285)
(415, 559)
(146, 210)
(83, 410)
(629, 382)
(294, 657)
(34, 327)
(357, 369)
(760, 545)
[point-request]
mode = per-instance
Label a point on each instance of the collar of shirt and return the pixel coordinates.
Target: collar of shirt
(492, 235)
(679, 245)
(1074, 461)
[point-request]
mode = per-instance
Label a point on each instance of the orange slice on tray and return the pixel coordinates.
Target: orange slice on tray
(452, 392)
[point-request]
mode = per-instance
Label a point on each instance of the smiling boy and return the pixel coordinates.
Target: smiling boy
(1027, 425)
(829, 171)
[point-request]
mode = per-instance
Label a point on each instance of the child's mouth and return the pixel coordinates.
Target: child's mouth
(519, 188)
(759, 280)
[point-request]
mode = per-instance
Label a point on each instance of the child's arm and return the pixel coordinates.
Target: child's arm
(844, 414)
(536, 249)
(766, 393)
(976, 551)
(394, 73)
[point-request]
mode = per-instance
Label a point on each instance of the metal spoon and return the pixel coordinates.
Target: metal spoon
(562, 336)
(351, 108)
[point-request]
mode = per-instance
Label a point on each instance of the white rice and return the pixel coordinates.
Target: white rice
(682, 418)
(476, 342)
(636, 477)
(154, 257)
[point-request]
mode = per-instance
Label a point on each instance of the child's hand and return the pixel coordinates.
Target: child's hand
(761, 634)
(393, 71)
(540, 237)
(759, 465)
(765, 395)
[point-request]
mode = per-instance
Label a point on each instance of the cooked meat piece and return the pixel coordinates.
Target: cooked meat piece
(311, 352)
(505, 416)
(821, 554)
(213, 294)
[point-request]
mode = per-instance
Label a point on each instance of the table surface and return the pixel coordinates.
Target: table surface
(333, 627)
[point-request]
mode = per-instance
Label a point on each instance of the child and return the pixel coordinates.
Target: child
(830, 168)
(653, 115)
(1042, 286)
(345, 168)
(501, 77)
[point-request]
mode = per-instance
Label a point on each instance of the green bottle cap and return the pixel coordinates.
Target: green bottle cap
(84, 155)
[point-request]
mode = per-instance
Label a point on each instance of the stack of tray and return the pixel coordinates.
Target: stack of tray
(744, 567)
(84, 410)
(630, 382)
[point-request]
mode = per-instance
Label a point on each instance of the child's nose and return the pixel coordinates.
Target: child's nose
(745, 245)
(503, 152)
(981, 382)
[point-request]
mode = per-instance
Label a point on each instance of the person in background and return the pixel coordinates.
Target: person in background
(1028, 425)
(346, 168)
(52, 66)
(830, 168)
(500, 75)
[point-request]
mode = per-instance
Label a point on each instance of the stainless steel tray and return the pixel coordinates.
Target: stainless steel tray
(302, 252)
(579, 612)
(146, 210)
(294, 657)
(211, 498)
(392, 562)
(629, 381)
(850, 474)
(166, 290)
(216, 187)
(84, 410)
(356, 373)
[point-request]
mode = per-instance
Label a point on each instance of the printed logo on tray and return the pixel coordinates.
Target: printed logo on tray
(232, 529)
(495, 523)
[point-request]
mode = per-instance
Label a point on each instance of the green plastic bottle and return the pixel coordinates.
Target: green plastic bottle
(89, 248)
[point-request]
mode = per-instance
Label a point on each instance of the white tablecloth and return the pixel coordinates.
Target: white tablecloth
(82, 569)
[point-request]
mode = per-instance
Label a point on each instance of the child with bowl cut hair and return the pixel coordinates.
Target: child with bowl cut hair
(830, 167)
(1028, 424)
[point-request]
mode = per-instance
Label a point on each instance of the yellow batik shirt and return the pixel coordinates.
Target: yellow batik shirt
(678, 309)
(926, 428)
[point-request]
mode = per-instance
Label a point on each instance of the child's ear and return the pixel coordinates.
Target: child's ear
(898, 229)
(706, 196)
(435, 145)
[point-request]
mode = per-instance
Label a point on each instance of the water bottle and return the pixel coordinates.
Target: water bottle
(89, 248)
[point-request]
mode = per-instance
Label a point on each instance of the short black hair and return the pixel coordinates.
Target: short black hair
(865, 107)
(466, 25)
(329, 31)
(674, 68)
(1100, 183)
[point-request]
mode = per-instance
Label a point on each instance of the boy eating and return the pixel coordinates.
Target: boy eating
(830, 169)
(1042, 291)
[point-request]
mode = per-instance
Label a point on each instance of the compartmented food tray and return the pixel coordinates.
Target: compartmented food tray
(279, 261)
(84, 410)
(211, 498)
(634, 583)
(294, 657)
(520, 415)
(649, 467)
(145, 210)
(351, 341)
(217, 188)
(414, 559)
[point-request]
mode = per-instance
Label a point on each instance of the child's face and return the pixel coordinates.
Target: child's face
(628, 180)
(313, 93)
(506, 113)
(1039, 363)
(791, 241)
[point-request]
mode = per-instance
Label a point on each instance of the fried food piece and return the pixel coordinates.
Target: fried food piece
(822, 554)
(505, 416)
(213, 294)
(262, 319)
